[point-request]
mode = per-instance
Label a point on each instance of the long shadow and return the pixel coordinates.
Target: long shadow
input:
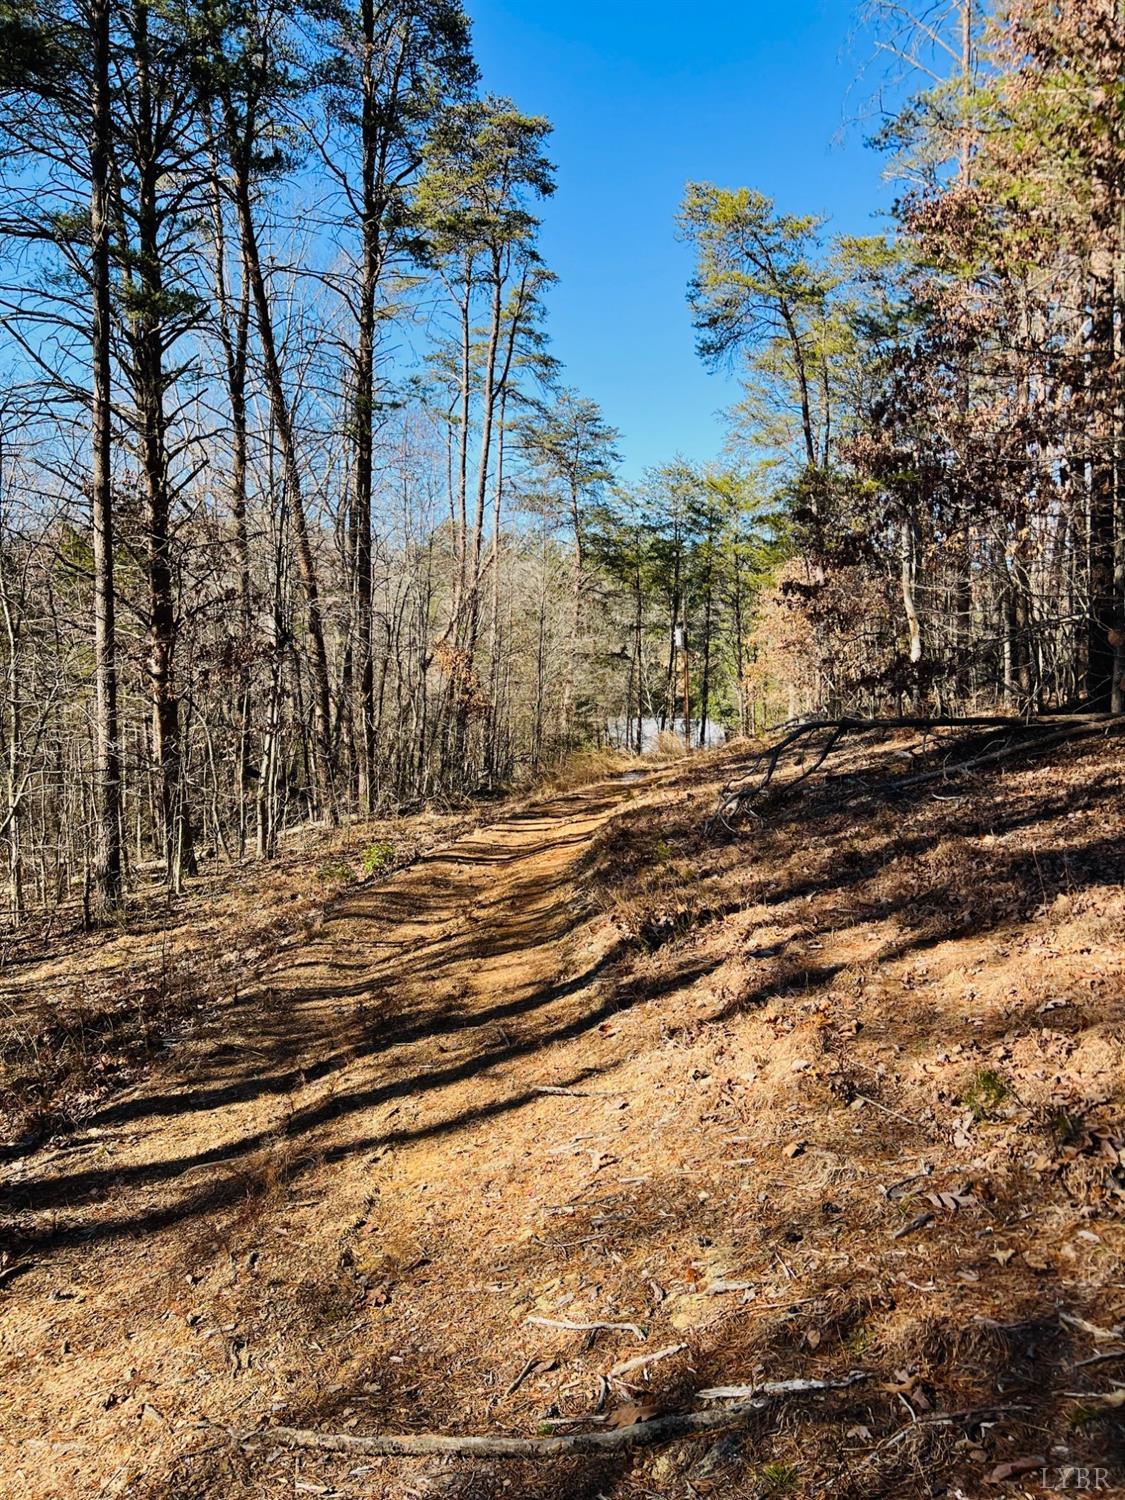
(64, 1191)
(540, 927)
(85, 1186)
(222, 1193)
(385, 1038)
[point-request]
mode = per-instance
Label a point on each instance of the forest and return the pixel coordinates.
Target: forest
(301, 519)
(537, 958)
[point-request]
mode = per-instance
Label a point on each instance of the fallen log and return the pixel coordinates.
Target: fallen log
(664, 1429)
(1026, 735)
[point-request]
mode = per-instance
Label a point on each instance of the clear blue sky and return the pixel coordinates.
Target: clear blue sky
(644, 97)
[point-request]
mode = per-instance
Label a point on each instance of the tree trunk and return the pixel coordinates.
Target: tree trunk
(909, 572)
(1102, 620)
(283, 427)
(363, 417)
(107, 748)
(234, 336)
(705, 677)
(147, 341)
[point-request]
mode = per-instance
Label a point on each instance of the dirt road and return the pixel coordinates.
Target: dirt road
(264, 1226)
(524, 1140)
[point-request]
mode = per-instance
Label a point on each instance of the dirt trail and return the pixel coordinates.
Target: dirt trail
(838, 1095)
(193, 1254)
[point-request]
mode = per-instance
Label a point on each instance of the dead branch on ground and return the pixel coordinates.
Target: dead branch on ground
(745, 793)
(664, 1429)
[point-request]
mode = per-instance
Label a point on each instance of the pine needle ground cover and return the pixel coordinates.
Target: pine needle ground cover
(592, 1111)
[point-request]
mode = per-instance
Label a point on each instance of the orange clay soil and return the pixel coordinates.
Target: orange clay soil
(844, 1093)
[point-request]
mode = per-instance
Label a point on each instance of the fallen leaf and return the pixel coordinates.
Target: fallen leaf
(952, 1201)
(919, 1222)
(630, 1413)
(1015, 1467)
(532, 1368)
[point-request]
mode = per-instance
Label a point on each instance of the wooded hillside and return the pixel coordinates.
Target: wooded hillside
(299, 517)
(552, 945)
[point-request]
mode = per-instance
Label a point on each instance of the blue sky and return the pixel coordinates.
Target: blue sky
(644, 97)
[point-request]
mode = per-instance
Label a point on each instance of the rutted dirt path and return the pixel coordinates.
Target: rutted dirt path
(838, 1094)
(198, 1253)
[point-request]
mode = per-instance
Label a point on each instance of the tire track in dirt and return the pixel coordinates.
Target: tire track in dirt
(423, 1008)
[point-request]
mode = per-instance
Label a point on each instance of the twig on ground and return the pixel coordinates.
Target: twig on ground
(896, 1114)
(640, 1360)
(941, 1419)
(919, 1222)
(1095, 1332)
(588, 1327)
(1098, 1359)
(638, 1435)
(546, 1088)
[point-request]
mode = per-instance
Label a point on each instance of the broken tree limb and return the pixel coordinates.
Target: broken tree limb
(1026, 736)
(638, 1361)
(775, 1388)
(665, 1429)
(548, 1088)
(1005, 752)
(588, 1327)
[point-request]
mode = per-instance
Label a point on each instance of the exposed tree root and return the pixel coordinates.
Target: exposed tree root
(620, 1440)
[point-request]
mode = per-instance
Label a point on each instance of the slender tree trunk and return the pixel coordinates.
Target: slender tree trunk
(577, 589)
(283, 427)
(234, 336)
(363, 416)
(909, 576)
(1102, 621)
(108, 752)
(705, 676)
(471, 598)
(14, 817)
(638, 652)
(149, 385)
(1117, 630)
(494, 693)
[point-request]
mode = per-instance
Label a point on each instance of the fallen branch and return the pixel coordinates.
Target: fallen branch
(640, 1360)
(1101, 1335)
(915, 1224)
(776, 1388)
(1097, 1359)
(1005, 752)
(9, 1273)
(971, 1417)
(547, 1088)
(621, 1440)
(894, 1113)
(1026, 735)
(588, 1327)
